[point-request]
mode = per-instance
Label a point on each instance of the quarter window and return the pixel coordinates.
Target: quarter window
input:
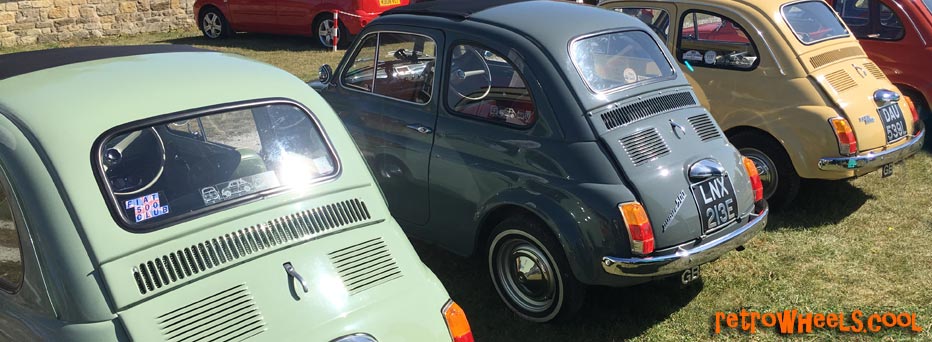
(483, 84)
(11, 262)
(870, 19)
(395, 65)
(714, 41)
(657, 19)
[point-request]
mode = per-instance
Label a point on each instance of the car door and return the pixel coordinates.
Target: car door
(885, 32)
(297, 16)
(254, 15)
(387, 100)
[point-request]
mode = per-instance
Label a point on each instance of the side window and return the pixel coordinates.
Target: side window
(11, 262)
(856, 14)
(890, 28)
(396, 65)
(870, 19)
(714, 41)
(657, 19)
(483, 84)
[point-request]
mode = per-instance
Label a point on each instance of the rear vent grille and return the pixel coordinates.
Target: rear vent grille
(705, 128)
(230, 315)
(874, 70)
(645, 146)
(173, 267)
(644, 109)
(840, 80)
(821, 60)
(365, 265)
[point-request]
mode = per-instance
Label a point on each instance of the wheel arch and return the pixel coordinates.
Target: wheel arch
(734, 131)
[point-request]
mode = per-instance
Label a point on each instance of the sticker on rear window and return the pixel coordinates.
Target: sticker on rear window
(239, 187)
(146, 207)
(693, 55)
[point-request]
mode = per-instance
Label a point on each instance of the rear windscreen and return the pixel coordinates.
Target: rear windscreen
(813, 21)
(614, 60)
(183, 168)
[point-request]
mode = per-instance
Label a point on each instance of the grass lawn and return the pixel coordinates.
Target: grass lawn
(861, 244)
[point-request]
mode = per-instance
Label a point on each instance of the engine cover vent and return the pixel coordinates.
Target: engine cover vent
(644, 146)
(644, 109)
(826, 58)
(365, 265)
(705, 128)
(229, 315)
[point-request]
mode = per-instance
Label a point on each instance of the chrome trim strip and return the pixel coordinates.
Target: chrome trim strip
(876, 159)
(683, 258)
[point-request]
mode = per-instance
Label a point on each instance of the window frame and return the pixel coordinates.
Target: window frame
(113, 205)
(19, 222)
(445, 92)
(873, 21)
(375, 59)
(679, 42)
(674, 71)
(814, 42)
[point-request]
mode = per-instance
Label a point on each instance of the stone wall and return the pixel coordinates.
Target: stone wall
(44, 21)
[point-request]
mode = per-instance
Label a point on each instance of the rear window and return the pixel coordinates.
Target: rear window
(611, 61)
(159, 173)
(813, 21)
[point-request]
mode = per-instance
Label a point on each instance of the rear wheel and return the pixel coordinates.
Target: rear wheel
(922, 105)
(324, 30)
(214, 25)
(530, 271)
(779, 178)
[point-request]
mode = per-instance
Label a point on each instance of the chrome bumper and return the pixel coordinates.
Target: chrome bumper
(684, 259)
(875, 160)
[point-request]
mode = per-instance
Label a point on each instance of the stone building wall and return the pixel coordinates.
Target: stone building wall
(44, 21)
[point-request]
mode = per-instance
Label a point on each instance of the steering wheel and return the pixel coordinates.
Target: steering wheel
(129, 163)
(458, 75)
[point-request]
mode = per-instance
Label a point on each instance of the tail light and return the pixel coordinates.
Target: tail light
(912, 108)
(847, 144)
(640, 232)
(455, 317)
(756, 184)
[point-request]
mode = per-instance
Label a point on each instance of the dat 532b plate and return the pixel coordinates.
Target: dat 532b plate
(717, 203)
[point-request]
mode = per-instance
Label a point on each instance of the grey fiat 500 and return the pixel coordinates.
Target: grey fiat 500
(565, 155)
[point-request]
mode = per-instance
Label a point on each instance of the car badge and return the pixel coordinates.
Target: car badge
(860, 70)
(677, 204)
(678, 130)
(867, 119)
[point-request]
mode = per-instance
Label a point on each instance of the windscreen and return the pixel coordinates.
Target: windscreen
(614, 60)
(188, 167)
(813, 21)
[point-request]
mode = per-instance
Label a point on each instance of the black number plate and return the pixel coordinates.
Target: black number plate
(893, 122)
(717, 204)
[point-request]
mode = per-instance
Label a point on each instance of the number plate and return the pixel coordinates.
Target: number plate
(887, 171)
(893, 122)
(717, 203)
(389, 2)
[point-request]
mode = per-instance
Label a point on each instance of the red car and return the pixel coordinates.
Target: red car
(897, 35)
(221, 18)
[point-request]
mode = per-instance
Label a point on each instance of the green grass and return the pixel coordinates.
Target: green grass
(846, 245)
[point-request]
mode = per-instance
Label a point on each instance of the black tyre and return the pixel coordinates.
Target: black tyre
(530, 272)
(779, 177)
(323, 32)
(213, 24)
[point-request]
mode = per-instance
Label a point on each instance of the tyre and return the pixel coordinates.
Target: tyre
(214, 25)
(323, 31)
(779, 177)
(530, 272)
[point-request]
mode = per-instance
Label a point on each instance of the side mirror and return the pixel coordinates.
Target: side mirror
(325, 74)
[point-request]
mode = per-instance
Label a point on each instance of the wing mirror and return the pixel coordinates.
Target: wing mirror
(325, 74)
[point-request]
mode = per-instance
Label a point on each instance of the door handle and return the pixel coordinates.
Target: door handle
(420, 128)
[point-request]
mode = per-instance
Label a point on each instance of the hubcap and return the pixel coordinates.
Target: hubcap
(325, 32)
(212, 25)
(765, 168)
(526, 275)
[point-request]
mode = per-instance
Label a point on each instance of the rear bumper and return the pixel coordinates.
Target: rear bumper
(873, 161)
(686, 258)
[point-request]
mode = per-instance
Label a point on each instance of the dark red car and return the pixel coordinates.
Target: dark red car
(897, 35)
(221, 18)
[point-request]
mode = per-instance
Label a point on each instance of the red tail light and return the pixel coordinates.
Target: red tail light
(756, 184)
(912, 108)
(640, 233)
(455, 317)
(847, 143)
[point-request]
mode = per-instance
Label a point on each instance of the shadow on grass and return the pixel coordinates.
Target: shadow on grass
(819, 203)
(254, 42)
(609, 314)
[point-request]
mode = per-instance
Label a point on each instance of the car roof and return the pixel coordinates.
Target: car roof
(449, 8)
(15, 64)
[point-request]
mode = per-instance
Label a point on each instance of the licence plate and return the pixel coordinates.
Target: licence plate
(893, 122)
(717, 203)
(887, 171)
(389, 2)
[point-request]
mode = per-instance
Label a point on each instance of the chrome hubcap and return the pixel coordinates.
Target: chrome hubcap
(766, 168)
(526, 275)
(325, 32)
(212, 25)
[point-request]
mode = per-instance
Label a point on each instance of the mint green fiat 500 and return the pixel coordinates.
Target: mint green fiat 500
(141, 200)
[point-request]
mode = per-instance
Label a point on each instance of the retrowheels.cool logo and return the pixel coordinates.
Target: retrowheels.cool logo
(795, 322)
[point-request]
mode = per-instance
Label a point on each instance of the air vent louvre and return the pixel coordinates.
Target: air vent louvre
(229, 315)
(644, 109)
(644, 146)
(705, 127)
(365, 265)
(875, 70)
(173, 267)
(840, 80)
(826, 58)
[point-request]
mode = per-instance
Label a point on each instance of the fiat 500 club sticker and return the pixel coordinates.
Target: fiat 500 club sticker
(238, 187)
(146, 207)
(693, 55)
